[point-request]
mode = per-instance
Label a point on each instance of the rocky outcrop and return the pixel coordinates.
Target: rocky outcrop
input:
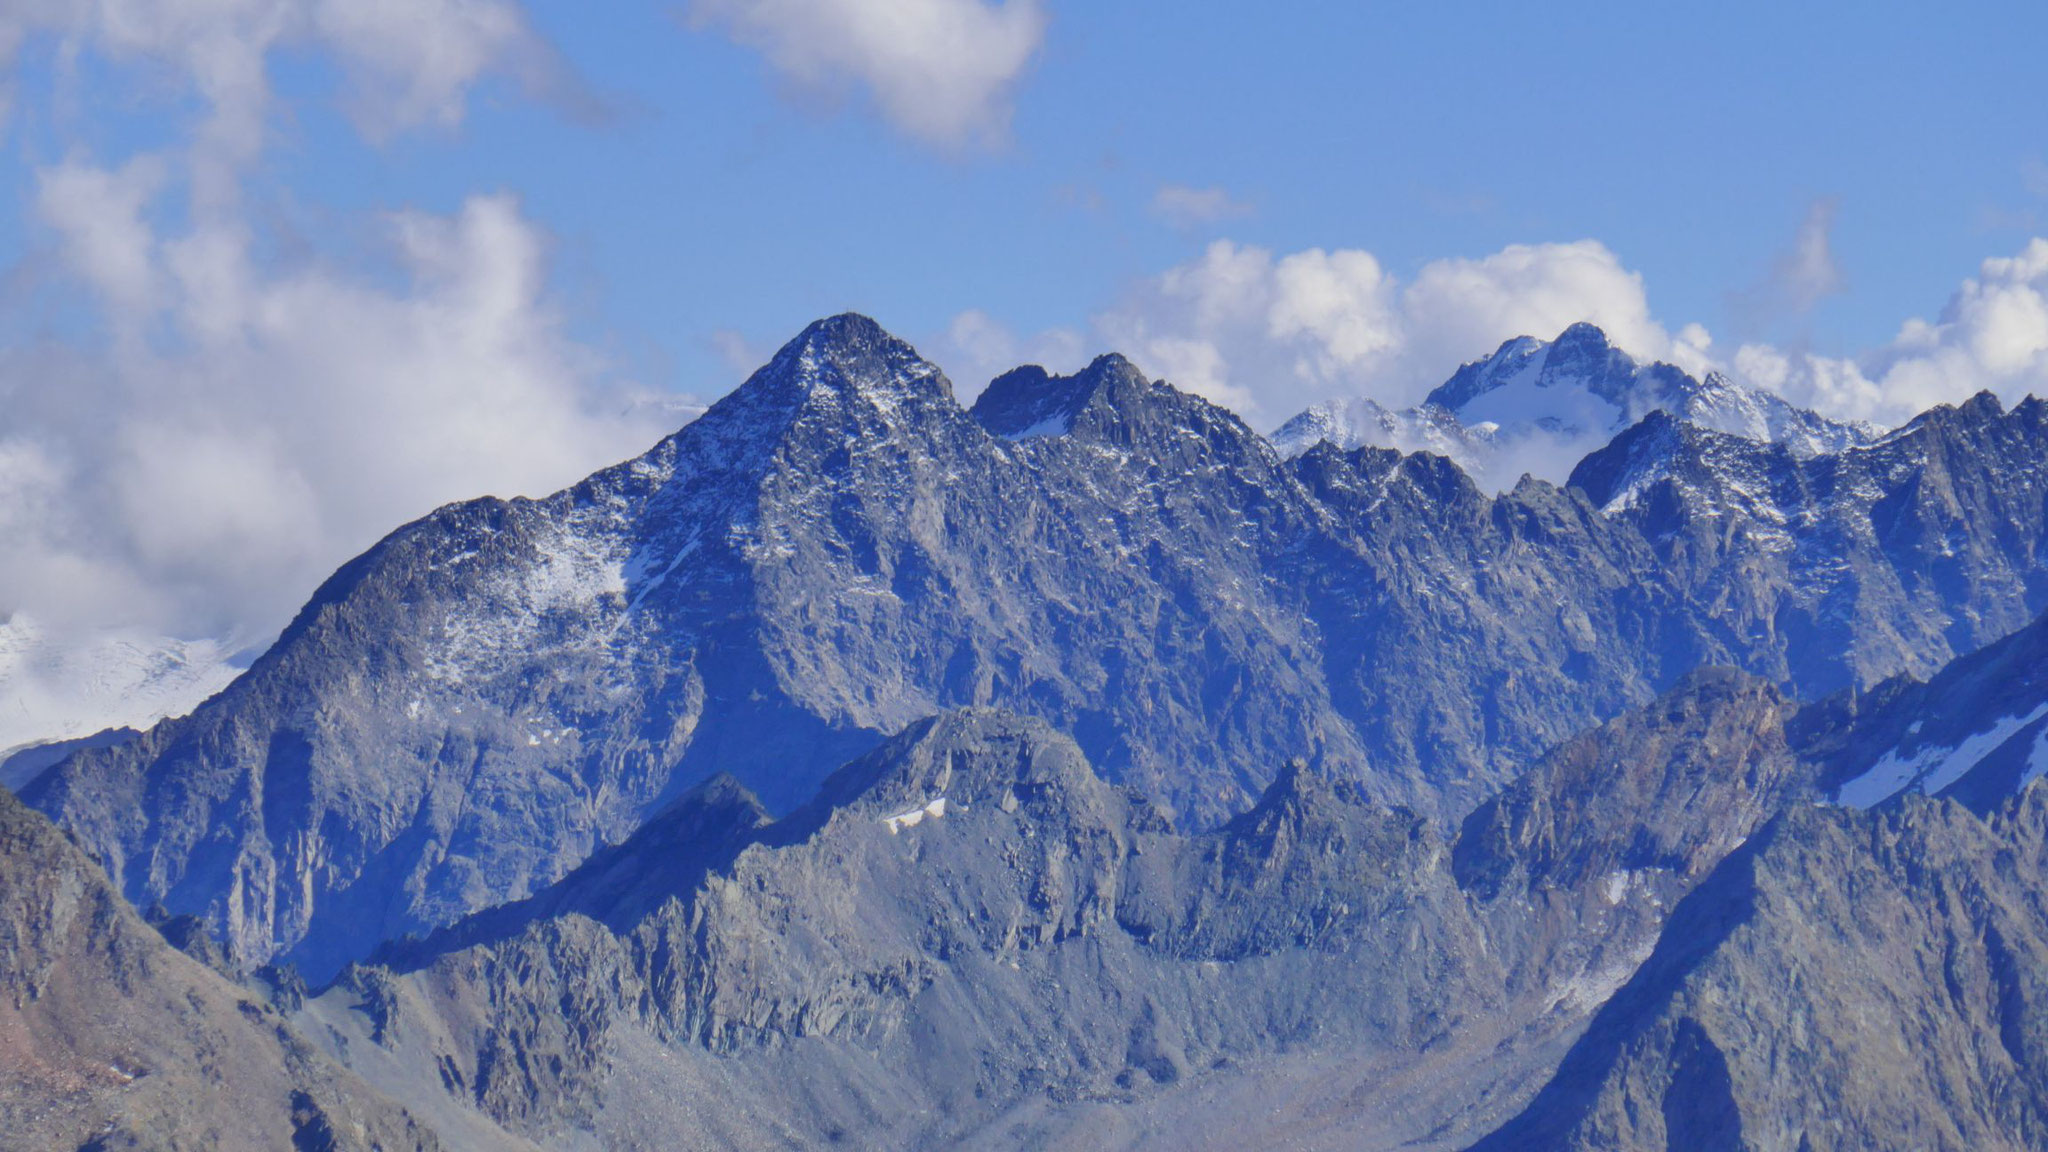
(1670, 788)
(969, 924)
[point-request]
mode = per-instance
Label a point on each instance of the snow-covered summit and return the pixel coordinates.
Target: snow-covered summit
(1540, 406)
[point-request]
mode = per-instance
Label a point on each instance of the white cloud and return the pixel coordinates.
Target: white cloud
(1269, 335)
(204, 482)
(1458, 310)
(226, 427)
(1992, 335)
(98, 216)
(1185, 207)
(940, 70)
(414, 61)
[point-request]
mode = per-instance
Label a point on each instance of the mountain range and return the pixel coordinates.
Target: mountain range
(1081, 768)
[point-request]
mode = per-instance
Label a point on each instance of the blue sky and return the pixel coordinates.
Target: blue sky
(709, 200)
(485, 240)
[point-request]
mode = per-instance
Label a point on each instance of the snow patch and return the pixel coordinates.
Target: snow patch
(1936, 768)
(2037, 760)
(1054, 425)
(1615, 887)
(915, 816)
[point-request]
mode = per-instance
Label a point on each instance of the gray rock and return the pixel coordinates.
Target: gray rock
(1845, 981)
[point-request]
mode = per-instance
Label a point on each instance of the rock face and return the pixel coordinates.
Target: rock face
(1673, 788)
(969, 925)
(1973, 732)
(1845, 981)
(1842, 570)
(111, 1039)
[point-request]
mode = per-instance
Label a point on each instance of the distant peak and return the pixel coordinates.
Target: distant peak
(1980, 410)
(846, 328)
(1984, 404)
(1112, 364)
(1581, 353)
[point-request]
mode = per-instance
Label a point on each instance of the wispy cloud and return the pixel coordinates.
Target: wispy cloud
(2034, 177)
(1807, 273)
(1801, 275)
(1185, 207)
(406, 65)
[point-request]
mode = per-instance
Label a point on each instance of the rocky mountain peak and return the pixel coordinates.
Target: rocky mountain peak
(1030, 402)
(844, 368)
(1584, 350)
(1540, 406)
(1301, 797)
(1593, 383)
(1650, 444)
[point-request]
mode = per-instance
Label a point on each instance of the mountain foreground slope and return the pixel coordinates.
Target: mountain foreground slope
(112, 1039)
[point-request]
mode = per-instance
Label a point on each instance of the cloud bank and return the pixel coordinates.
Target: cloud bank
(1992, 335)
(1268, 334)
